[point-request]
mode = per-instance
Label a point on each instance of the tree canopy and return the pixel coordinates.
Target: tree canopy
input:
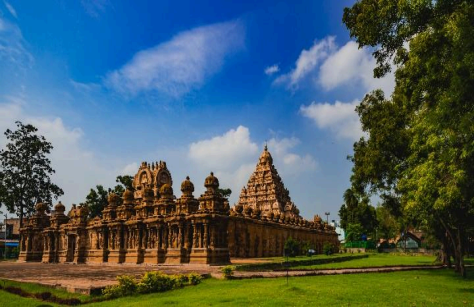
(96, 200)
(25, 171)
(419, 153)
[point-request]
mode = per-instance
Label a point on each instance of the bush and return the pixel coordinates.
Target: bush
(180, 280)
(329, 248)
(156, 282)
(228, 271)
(194, 279)
(127, 286)
(292, 247)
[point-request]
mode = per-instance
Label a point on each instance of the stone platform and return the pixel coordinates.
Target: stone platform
(88, 278)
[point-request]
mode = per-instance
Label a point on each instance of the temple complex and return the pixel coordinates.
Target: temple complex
(150, 225)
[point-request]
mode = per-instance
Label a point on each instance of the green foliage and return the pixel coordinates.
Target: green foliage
(329, 249)
(194, 278)
(429, 287)
(388, 226)
(419, 155)
(96, 201)
(150, 282)
(224, 192)
(156, 282)
(228, 271)
(25, 171)
(357, 210)
(126, 181)
(354, 232)
(292, 247)
(127, 285)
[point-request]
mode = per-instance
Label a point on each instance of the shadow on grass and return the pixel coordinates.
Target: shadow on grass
(449, 273)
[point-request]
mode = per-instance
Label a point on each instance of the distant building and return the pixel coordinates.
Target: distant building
(341, 234)
(409, 240)
(12, 228)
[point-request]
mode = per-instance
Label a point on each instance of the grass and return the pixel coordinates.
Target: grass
(36, 288)
(413, 288)
(374, 260)
(276, 263)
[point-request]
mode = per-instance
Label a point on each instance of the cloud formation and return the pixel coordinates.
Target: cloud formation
(307, 62)
(224, 151)
(339, 118)
(11, 9)
(351, 65)
(270, 70)
(77, 169)
(181, 64)
(331, 67)
(290, 163)
(234, 155)
(12, 46)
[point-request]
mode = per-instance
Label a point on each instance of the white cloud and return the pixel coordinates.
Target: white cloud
(130, 169)
(11, 9)
(12, 49)
(290, 163)
(233, 157)
(225, 151)
(270, 70)
(307, 62)
(332, 67)
(340, 118)
(351, 65)
(77, 169)
(182, 64)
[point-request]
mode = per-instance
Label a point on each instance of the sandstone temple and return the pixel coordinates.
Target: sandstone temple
(150, 225)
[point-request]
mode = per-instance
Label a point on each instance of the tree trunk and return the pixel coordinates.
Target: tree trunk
(21, 216)
(462, 269)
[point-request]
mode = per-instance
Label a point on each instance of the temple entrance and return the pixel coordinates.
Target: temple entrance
(71, 248)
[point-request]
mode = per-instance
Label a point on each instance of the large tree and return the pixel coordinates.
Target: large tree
(358, 211)
(25, 171)
(419, 154)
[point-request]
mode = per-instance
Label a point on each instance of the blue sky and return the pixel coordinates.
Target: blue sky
(199, 84)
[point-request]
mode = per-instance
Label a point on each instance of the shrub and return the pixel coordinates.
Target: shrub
(194, 278)
(127, 285)
(292, 247)
(228, 271)
(328, 248)
(156, 282)
(180, 280)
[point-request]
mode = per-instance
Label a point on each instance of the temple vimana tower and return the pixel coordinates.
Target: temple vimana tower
(150, 225)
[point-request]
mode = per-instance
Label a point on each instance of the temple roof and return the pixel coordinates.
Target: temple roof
(265, 190)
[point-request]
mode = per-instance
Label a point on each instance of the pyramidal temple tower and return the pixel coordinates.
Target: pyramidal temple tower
(265, 193)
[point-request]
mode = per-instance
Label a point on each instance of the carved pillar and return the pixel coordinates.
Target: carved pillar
(180, 238)
(195, 236)
(206, 236)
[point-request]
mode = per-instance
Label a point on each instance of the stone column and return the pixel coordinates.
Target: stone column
(180, 239)
(206, 236)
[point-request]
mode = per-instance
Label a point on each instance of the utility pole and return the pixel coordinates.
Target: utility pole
(327, 217)
(5, 243)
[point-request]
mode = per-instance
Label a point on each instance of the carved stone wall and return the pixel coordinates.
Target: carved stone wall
(149, 225)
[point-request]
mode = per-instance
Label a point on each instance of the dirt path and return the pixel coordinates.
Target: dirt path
(333, 271)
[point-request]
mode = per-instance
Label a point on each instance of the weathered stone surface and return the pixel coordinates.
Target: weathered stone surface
(149, 225)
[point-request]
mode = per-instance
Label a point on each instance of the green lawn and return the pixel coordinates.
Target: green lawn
(413, 288)
(375, 260)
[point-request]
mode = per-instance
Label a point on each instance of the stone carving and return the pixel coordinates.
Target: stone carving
(151, 225)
